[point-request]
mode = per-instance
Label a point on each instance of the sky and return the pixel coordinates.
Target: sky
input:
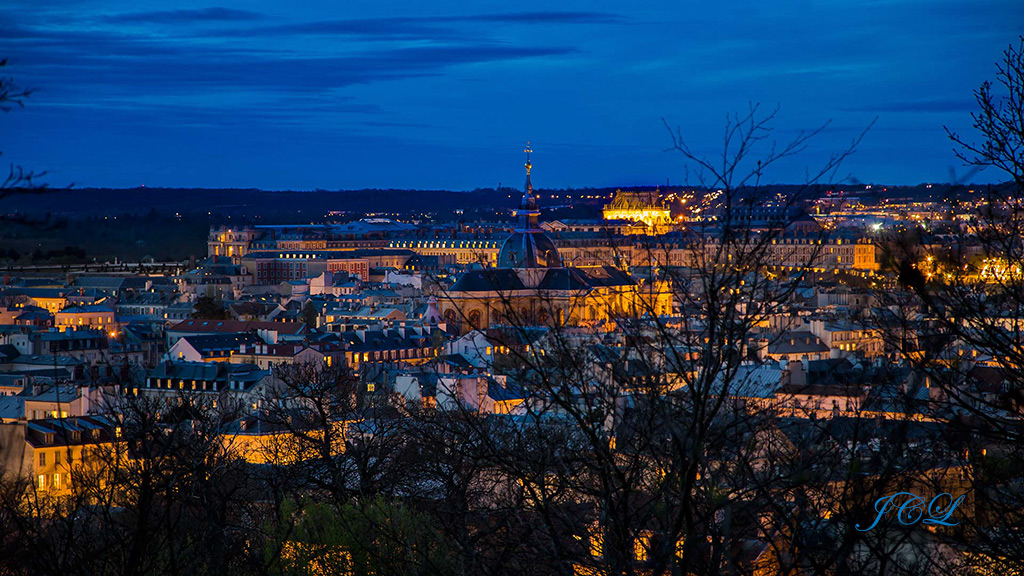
(445, 95)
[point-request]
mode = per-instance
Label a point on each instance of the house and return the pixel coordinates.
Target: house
(793, 346)
(49, 299)
(12, 384)
(845, 339)
(178, 311)
(202, 283)
(270, 332)
(85, 346)
(476, 392)
(252, 309)
(57, 401)
(269, 356)
(99, 316)
(339, 320)
(481, 348)
(48, 451)
(334, 284)
(817, 390)
(117, 286)
(211, 347)
(149, 306)
(221, 385)
(32, 316)
(408, 346)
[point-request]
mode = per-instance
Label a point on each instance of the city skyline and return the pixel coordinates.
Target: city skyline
(445, 96)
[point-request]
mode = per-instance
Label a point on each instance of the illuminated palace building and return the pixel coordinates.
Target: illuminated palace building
(531, 284)
(645, 207)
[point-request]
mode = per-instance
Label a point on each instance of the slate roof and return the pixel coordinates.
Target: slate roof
(63, 430)
(110, 282)
(208, 371)
(51, 394)
(11, 407)
(374, 340)
(8, 352)
(797, 342)
(753, 381)
(501, 393)
(206, 343)
(87, 309)
(198, 325)
(504, 279)
(487, 280)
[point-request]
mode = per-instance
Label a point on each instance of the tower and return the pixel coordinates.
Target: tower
(528, 246)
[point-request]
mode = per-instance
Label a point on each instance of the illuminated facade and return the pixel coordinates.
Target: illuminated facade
(645, 207)
(465, 250)
(92, 316)
(809, 252)
(230, 242)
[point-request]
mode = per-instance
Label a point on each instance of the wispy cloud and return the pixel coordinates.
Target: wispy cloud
(121, 60)
(427, 27)
(199, 15)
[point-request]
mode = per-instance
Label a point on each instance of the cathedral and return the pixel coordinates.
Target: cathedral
(531, 286)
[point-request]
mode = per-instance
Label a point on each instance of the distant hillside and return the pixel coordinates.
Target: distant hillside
(315, 205)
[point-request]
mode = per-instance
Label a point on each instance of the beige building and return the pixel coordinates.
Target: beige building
(57, 453)
(231, 242)
(97, 316)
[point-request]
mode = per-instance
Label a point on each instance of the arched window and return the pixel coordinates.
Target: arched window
(451, 317)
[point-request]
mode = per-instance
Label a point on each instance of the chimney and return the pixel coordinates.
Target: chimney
(797, 374)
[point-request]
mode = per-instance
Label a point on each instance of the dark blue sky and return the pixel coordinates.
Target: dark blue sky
(445, 94)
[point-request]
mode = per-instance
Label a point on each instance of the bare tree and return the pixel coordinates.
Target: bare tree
(631, 451)
(150, 487)
(957, 305)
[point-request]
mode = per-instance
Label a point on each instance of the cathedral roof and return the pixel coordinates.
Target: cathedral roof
(489, 279)
(508, 279)
(528, 249)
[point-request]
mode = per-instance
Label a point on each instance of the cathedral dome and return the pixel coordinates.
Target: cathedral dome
(528, 249)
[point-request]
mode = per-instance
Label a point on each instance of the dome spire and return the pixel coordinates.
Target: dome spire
(528, 213)
(529, 166)
(528, 246)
